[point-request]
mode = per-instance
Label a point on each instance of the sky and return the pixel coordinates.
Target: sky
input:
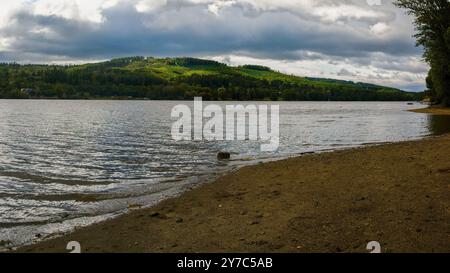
(358, 40)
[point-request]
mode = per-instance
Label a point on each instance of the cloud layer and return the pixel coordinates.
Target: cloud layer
(322, 38)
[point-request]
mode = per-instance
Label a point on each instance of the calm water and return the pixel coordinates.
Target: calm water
(72, 163)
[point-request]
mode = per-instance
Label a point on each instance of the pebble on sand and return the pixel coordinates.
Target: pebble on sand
(223, 156)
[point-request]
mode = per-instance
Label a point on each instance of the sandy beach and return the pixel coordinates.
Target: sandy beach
(396, 194)
(443, 111)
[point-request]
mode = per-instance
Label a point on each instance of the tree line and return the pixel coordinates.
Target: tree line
(115, 80)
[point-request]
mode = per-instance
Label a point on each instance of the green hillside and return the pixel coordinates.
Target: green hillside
(179, 79)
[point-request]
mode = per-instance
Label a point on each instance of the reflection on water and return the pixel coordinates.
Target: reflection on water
(71, 163)
(439, 125)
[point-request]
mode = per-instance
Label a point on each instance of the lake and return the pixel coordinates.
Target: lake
(72, 163)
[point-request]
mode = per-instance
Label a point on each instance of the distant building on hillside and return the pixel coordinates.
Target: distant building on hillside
(29, 91)
(427, 101)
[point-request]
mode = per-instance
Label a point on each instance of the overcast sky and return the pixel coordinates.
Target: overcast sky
(346, 39)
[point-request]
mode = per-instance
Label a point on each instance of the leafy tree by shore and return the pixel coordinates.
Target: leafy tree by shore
(432, 21)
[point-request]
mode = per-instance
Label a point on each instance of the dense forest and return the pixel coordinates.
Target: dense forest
(433, 34)
(180, 79)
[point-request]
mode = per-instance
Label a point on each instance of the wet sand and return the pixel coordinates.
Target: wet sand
(433, 111)
(396, 194)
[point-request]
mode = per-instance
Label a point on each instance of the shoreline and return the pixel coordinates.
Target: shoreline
(200, 181)
(444, 111)
(326, 202)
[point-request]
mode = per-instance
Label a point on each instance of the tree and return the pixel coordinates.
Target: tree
(222, 93)
(432, 21)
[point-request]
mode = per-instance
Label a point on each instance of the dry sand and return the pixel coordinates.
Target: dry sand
(397, 194)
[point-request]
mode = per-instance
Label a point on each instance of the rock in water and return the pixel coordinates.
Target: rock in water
(223, 156)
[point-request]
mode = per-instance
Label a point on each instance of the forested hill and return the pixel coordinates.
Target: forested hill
(179, 79)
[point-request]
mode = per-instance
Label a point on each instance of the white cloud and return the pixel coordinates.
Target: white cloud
(380, 28)
(326, 10)
(7, 9)
(345, 12)
(150, 5)
(86, 10)
(218, 5)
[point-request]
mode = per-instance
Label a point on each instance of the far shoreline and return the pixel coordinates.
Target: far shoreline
(204, 99)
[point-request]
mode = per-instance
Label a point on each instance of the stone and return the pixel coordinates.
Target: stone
(223, 156)
(155, 214)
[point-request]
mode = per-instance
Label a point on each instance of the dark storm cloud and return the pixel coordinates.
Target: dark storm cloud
(192, 31)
